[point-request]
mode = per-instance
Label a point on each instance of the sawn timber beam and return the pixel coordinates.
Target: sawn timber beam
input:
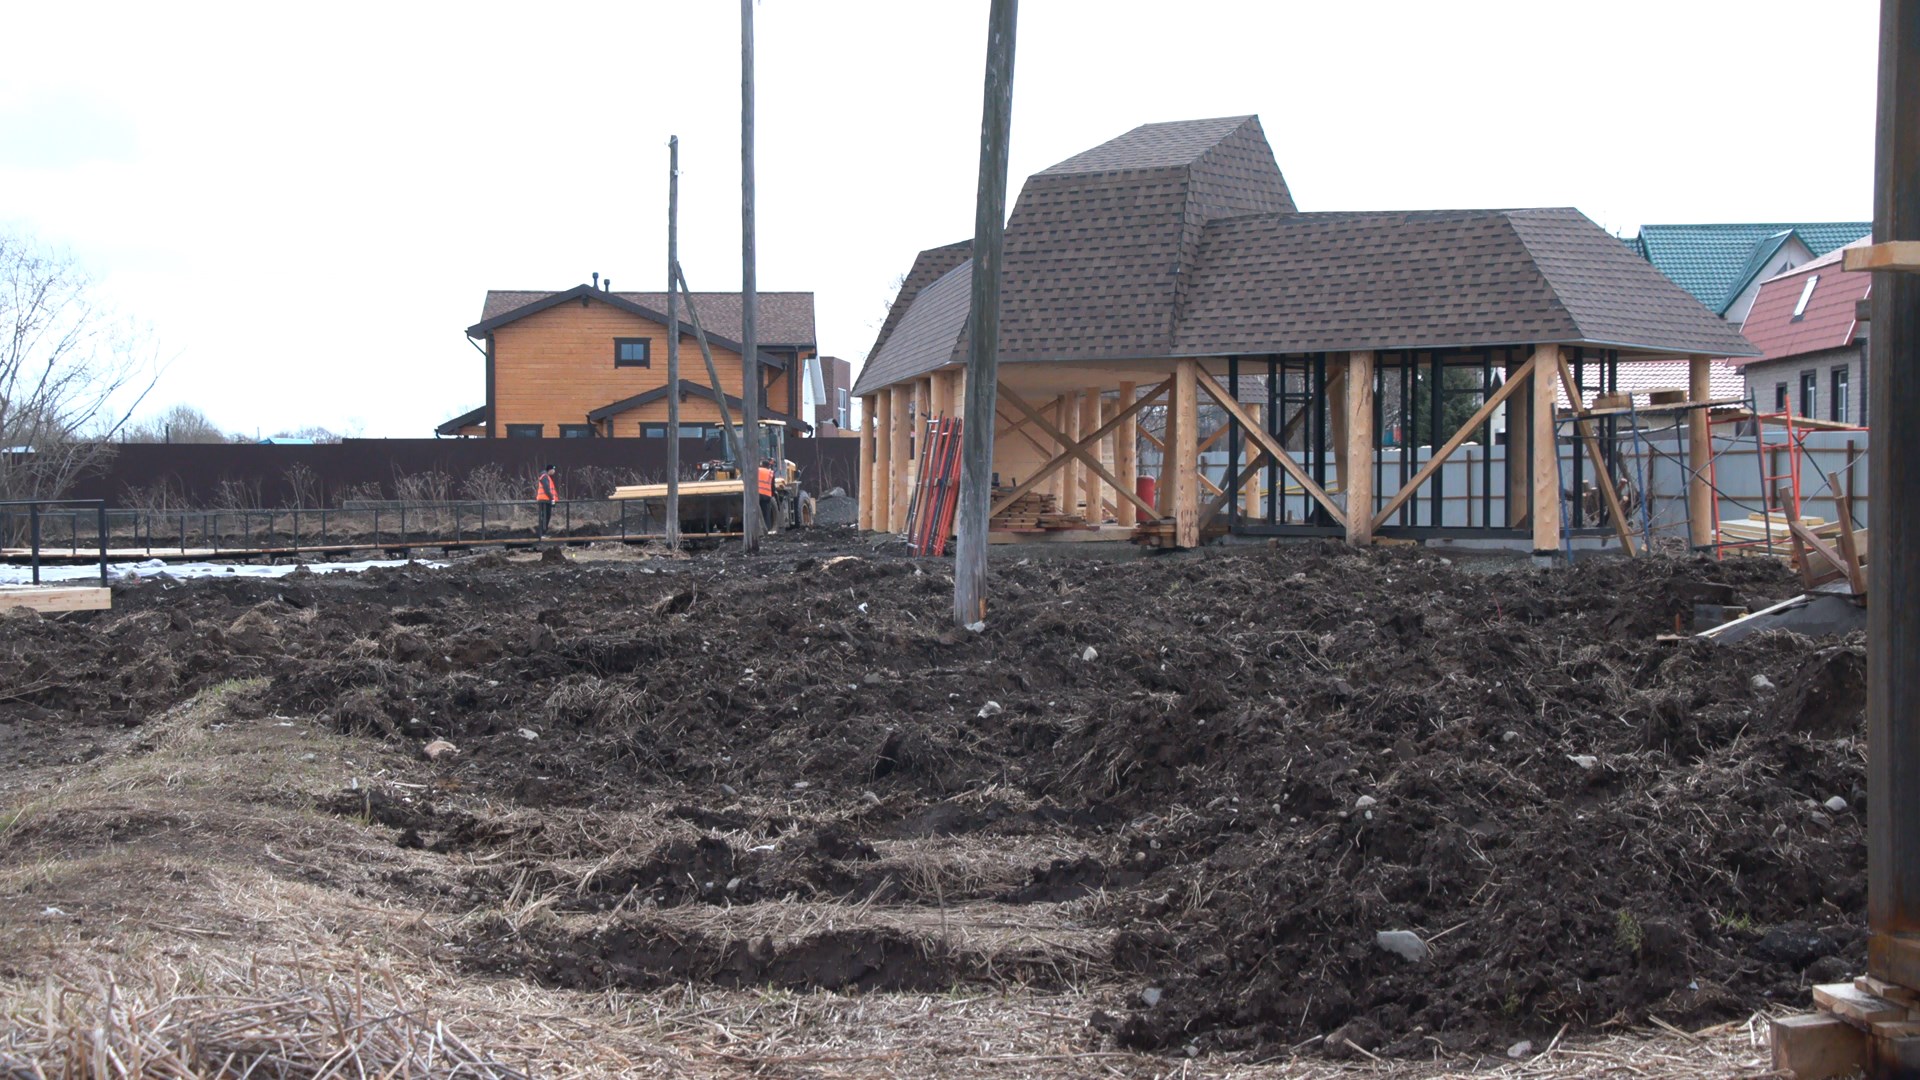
(1077, 449)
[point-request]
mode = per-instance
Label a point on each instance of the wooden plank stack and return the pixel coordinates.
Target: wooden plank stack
(1036, 511)
(1858, 1025)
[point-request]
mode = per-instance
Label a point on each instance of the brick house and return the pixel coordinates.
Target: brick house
(1806, 323)
(588, 362)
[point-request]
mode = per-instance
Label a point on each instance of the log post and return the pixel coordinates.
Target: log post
(1699, 454)
(1126, 454)
(1519, 425)
(958, 393)
(1062, 477)
(1090, 486)
(1546, 453)
(1356, 450)
(897, 457)
(1250, 494)
(865, 521)
(1110, 453)
(1183, 453)
(882, 461)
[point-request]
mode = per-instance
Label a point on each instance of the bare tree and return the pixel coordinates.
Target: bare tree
(71, 370)
(180, 424)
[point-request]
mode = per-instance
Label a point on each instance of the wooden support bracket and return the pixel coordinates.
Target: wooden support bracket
(1896, 255)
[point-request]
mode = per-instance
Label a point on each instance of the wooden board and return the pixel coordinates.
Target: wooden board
(687, 488)
(1817, 1046)
(56, 597)
(1888, 255)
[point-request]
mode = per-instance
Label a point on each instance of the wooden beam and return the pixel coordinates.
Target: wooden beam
(1592, 442)
(1070, 498)
(1064, 476)
(1107, 408)
(1897, 255)
(1546, 450)
(1053, 464)
(1207, 443)
(1185, 452)
(57, 597)
(1090, 483)
(1021, 428)
(1356, 482)
(897, 457)
(1126, 452)
(1258, 433)
(1849, 543)
(865, 520)
(1699, 452)
(1250, 489)
(1440, 456)
(882, 461)
(1153, 440)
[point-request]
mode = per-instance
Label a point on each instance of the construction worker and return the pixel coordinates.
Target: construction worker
(766, 494)
(546, 491)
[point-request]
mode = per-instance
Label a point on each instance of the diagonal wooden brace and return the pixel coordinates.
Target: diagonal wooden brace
(1077, 449)
(1258, 434)
(1515, 380)
(1583, 424)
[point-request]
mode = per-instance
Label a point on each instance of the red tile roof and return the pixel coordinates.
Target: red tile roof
(1642, 377)
(1827, 322)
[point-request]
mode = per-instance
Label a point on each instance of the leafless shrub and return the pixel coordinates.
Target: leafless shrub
(489, 483)
(431, 486)
(304, 487)
(232, 494)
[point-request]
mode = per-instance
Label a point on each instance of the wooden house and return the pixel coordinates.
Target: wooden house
(1169, 269)
(588, 362)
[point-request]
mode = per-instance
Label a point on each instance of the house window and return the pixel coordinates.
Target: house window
(653, 431)
(526, 431)
(1809, 395)
(631, 352)
(1779, 397)
(846, 409)
(1806, 294)
(1839, 408)
(577, 431)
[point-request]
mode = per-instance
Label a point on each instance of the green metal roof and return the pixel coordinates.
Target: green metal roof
(1714, 262)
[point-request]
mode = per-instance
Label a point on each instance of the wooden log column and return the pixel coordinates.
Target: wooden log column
(1699, 453)
(897, 453)
(1126, 455)
(1546, 453)
(1062, 475)
(865, 520)
(882, 489)
(1356, 449)
(1183, 453)
(1519, 424)
(1250, 492)
(959, 393)
(1090, 485)
(1109, 453)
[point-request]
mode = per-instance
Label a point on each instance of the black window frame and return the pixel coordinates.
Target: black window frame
(1781, 402)
(1809, 395)
(526, 431)
(579, 431)
(646, 352)
(653, 431)
(1839, 394)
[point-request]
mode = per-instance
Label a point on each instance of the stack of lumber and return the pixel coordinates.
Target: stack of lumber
(1036, 511)
(1854, 1026)
(1160, 533)
(1757, 527)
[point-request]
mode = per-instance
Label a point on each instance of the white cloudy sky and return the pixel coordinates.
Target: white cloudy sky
(307, 202)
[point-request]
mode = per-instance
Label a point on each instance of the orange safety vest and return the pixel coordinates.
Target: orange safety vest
(544, 491)
(766, 481)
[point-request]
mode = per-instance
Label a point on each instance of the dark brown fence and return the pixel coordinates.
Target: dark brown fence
(242, 475)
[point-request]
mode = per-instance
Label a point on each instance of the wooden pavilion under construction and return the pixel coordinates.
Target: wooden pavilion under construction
(1338, 360)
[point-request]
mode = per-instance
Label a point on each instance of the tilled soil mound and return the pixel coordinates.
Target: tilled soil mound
(1251, 764)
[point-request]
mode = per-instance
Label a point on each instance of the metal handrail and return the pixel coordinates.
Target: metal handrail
(34, 509)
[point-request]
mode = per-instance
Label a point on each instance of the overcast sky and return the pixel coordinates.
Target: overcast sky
(308, 202)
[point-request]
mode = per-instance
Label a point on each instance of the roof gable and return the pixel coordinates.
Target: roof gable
(929, 332)
(927, 266)
(1707, 260)
(1826, 322)
(786, 318)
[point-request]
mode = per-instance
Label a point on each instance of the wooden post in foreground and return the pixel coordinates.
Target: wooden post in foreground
(1182, 455)
(1546, 453)
(750, 526)
(1893, 472)
(1699, 452)
(983, 322)
(673, 342)
(1356, 452)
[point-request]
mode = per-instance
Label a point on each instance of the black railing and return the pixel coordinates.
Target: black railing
(37, 510)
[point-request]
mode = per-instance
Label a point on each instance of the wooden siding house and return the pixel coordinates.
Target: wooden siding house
(588, 362)
(1168, 271)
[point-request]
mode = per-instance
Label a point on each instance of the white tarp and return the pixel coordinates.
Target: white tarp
(153, 568)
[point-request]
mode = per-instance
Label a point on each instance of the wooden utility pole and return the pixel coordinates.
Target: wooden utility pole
(673, 342)
(1893, 472)
(983, 322)
(749, 304)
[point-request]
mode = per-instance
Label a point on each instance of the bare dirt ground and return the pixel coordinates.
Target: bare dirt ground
(704, 815)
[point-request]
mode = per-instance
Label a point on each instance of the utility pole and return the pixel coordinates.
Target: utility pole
(749, 302)
(673, 342)
(1893, 473)
(983, 323)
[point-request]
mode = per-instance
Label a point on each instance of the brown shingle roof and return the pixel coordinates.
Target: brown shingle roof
(786, 318)
(928, 333)
(928, 266)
